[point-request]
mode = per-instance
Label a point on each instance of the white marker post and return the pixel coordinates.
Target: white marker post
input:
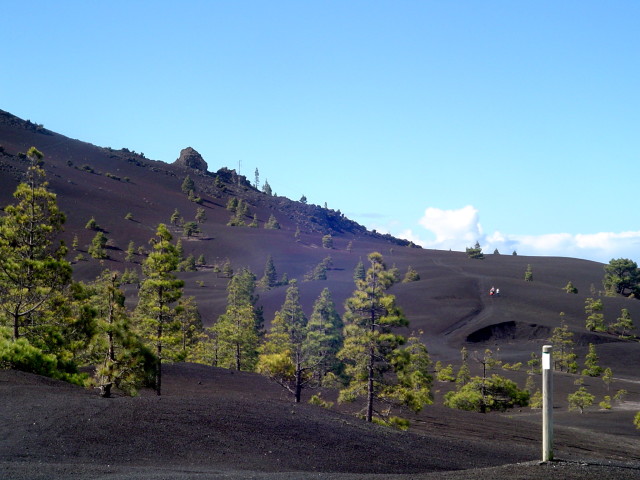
(547, 405)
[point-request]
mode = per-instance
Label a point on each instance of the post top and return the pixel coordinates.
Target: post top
(547, 348)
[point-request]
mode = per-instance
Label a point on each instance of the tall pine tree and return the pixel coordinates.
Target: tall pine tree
(236, 331)
(121, 359)
(159, 292)
(375, 362)
(285, 356)
(32, 269)
(324, 337)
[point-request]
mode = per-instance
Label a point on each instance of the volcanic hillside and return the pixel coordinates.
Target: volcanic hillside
(449, 307)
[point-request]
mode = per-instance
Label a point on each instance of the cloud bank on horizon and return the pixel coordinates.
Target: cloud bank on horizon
(460, 228)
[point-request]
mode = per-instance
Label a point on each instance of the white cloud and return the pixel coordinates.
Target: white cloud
(455, 229)
(458, 229)
(601, 246)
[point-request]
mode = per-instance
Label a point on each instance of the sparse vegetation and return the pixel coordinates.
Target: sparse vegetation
(190, 229)
(528, 274)
(411, 275)
(592, 369)
(580, 399)
(495, 393)
(622, 277)
(92, 224)
(272, 223)
(475, 251)
(97, 247)
(595, 319)
(188, 186)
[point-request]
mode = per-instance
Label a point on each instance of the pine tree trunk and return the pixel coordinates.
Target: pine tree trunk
(298, 393)
(370, 386)
(105, 390)
(16, 326)
(159, 360)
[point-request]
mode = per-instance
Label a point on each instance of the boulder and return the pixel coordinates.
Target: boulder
(192, 159)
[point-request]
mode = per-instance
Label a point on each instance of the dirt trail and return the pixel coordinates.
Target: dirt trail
(485, 302)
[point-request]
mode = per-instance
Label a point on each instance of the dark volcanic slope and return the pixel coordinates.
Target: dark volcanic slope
(213, 423)
(241, 422)
(214, 417)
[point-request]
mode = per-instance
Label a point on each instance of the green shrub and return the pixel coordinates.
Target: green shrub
(605, 404)
(319, 401)
(499, 394)
(395, 422)
(445, 374)
(21, 355)
(580, 399)
(536, 399)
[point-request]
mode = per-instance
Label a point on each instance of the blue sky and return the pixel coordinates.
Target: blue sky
(516, 124)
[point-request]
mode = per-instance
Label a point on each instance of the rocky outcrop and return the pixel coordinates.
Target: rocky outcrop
(192, 159)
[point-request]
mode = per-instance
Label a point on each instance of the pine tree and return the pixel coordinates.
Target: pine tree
(607, 377)
(236, 331)
(120, 357)
(92, 224)
(179, 249)
(624, 325)
(175, 217)
(97, 247)
(285, 356)
(622, 277)
(475, 252)
(270, 277)
(580, 399)
(592, 368)
(266, 188)
(190, 229)
(595, 319)
(188, 185)
(201, 216)
(32, 269)
(227, 269)
(131, 252)
(272, 223)
(372, 351)
(464, 375)
(411, 276)
(488, 362)
(359, 273)
(561, 338)
(325, 335)
(158, 293)
(191, 330)
(528, 274)
(232, 204)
